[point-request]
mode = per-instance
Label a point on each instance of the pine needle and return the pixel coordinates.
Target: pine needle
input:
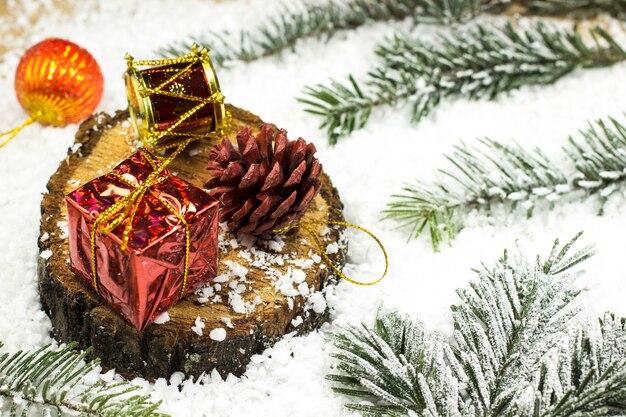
(293, 22)
(494, 176)
(519, 349)
(48, 382)
(615, 8)
(480, 63)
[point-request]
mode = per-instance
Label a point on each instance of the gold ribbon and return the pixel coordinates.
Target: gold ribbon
(306, 226)
(126, 207)
(13, 132)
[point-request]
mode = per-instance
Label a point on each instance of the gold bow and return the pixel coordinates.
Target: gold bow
(126, 207)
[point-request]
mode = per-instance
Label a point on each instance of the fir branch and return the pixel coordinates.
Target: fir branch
(585, 375)
(482, 177)
(52, 383)
(399, 362)
(481, 63)
(600, 158)
(615, 8)
(305, 20)
(518, 350)
(494, 175)
(508, 320)
(292, 23)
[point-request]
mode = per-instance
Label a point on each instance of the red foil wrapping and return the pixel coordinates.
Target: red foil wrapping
(145, 279)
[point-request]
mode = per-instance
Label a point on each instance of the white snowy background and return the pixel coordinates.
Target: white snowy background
(367, 167)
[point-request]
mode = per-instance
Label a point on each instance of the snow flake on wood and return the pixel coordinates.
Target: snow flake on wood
(218, 334)
(198, 326)
(163, 318)
(234, 284)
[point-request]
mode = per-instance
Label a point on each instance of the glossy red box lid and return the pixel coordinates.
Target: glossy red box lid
(146, 278)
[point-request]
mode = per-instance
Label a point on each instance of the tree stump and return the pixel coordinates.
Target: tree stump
(260, 295)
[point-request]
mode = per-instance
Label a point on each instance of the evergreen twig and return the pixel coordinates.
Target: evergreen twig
(305, 20)
(49, 382)
(292, 23)
(519, 349)
(615, 8)
(480, 63)
(507, 176)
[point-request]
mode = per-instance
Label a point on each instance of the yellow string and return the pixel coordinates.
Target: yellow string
(13, 132)
(126, 207)
(154, 138)
(190, 57)
(307, 227)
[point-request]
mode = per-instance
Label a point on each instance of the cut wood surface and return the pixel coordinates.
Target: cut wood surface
(263, 267)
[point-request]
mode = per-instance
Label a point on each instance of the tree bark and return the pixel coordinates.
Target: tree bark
(79, 314)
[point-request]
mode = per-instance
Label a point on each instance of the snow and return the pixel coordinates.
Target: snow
(332, 248)
(218, 334)
(237, 269)
(228, 322)
(163, 318)
(366, 168)
(298, 276)
(198, 325)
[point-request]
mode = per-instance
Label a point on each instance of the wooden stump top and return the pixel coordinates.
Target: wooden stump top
(265, 289)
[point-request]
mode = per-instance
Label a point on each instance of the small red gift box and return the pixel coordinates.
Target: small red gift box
(148, 276)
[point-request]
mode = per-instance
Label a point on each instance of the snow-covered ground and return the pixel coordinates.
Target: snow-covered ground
(367, 167)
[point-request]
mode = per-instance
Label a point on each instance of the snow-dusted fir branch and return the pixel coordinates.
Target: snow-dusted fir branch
(493, 174)
(481, 177)
(615, 8)
(293, 22)
(53, 383)
(480, 63)
(584, 376)
(305, 20)
(519, 349)
(599, 157)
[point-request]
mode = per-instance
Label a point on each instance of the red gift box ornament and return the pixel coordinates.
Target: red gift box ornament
(142, 237)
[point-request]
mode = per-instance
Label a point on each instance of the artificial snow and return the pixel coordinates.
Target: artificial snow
(317, 302)
(218, 334)
(238, 270)
(198, 325)
(237, 303)
(303, 289)
(332, 248)
(298, 276)
(162, 318)
(366, 168)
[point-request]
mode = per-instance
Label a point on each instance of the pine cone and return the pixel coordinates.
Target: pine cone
(268, 182)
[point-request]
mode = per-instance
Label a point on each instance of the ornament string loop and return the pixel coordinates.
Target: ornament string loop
(306, 226)
(13, 132)
(125, 209)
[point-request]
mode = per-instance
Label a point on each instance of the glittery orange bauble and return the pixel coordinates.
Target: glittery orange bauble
(57, 82)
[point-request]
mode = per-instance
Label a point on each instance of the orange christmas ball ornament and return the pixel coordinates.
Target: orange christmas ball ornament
(57, 83)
